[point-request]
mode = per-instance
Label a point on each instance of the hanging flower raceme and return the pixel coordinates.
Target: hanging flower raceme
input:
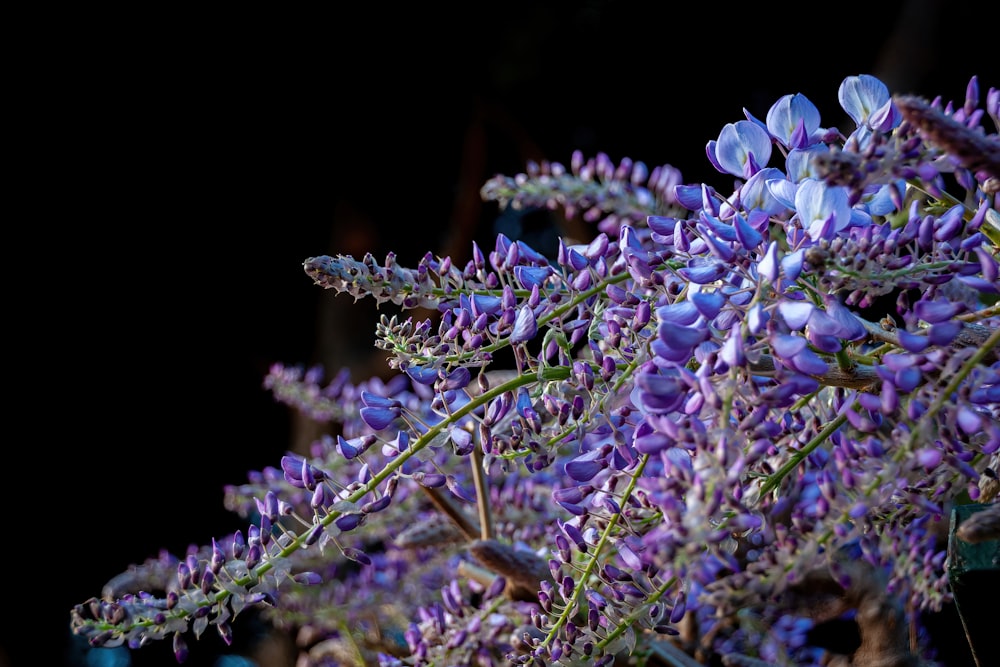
(719, 404)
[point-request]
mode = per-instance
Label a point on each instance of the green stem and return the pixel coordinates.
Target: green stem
(549, 373)
(584, 576)
(637, 612)
(945, 395)
(977, 358)
(797, 456)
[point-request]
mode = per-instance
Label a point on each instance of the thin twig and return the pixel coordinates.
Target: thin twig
(449, 509)
(482, 495)
(859, 377)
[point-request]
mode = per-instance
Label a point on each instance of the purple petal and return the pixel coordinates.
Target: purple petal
(379, 418)
(583, 471)
(682, 312)
(747, 235)
(944, 332)
(532, 276)
(786, 346)
(422, 374)
(822, 342)
(708, 303)
(457, 379)
(768, 266)
(667, 386)
(498, 408)
(349, 521)
(679, 355)
(929, 457)
(933, 312)
(571, 494)
(732, 349)
(861, 96)
(795, 313)
(491, 305)
(357, 555)
(653, 442)
(661, 224)
(757, 317)
(791, 264)
(375, 401)
(908, 379)
(586, 465)
(968, 421)
(457, 490)
(850, 327)
(525, 326)
(681, 337)
(703, 272)
(807, 362)
(574, 534)
(791, 116)
(913, 342)
(347, 450)
(741, 146)
(462, 441)
(376, 505)
(576, 510)
(431, 480)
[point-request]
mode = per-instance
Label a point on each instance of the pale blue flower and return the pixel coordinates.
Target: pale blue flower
(799, 164)
(743, 149)
(756, 195)
(794, 121)
(823, 209)
(867, 101)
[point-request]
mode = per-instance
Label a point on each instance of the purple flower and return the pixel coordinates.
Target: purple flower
(794, 121)
(525, 326)
(755, 195)
(936, 311)
(708, 303)
(866, 100)
(635, 254)
(943, 333)
(849, 327)
(423, 374)
(357, 555)
(743, 149)
(678, 336)
(793, 350)
(823, 209)
(348, 522)
(458, 490)
(585, 467)
(746, 228)
(768, 266)
(532, 276)
(458, 378)
(912, 342)
(291, 466)
(699, 197)
(795, 313)
(379, 411)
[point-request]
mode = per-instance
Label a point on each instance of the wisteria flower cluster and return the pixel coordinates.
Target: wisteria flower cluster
(688, 439)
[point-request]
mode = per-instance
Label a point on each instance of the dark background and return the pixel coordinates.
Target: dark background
(190, 163)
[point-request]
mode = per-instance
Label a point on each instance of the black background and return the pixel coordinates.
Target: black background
(182, 167)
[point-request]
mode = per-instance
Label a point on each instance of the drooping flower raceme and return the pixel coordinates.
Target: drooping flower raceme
(669, 437)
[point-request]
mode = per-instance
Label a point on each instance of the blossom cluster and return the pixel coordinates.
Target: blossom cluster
(665, 441)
